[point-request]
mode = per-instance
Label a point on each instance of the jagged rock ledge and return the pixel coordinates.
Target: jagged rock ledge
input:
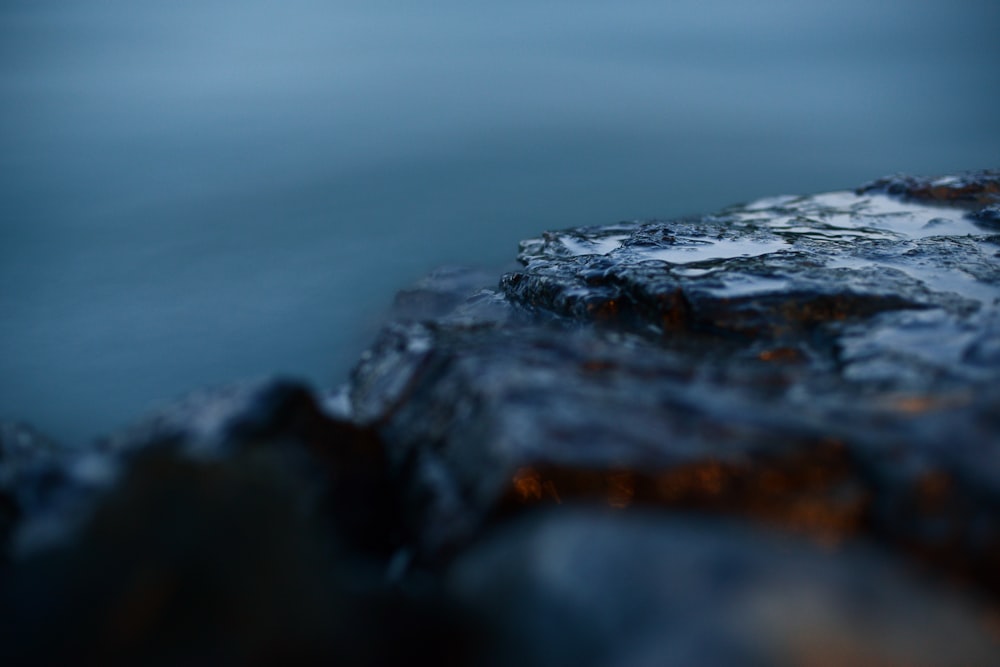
(765, 436)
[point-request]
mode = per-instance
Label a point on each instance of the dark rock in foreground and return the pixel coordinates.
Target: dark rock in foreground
(238, 526)
(765, 436)
(648, 589)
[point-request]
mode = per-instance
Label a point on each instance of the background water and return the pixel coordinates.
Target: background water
(193, 192)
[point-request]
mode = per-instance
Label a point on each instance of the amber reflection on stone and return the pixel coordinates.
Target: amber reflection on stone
(527, 485)
(811, 493)
(787, 355)
(916, 404)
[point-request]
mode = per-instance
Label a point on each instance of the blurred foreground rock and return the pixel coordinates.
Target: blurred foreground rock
(642, 589)
(766, 436)
(238, 526)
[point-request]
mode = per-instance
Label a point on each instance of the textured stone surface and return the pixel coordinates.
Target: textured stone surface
(766, 436)
(824, 364)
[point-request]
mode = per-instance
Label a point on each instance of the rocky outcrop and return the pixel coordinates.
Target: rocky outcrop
(765, 436)
(827, 365)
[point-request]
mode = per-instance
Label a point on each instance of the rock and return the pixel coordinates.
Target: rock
(441, 292)
(226, 561)
(241, 525)
(590, 588)
(52, 491)
(972, 190)
(275, 415)
(826, 365)
(765, 436)
(30, 471)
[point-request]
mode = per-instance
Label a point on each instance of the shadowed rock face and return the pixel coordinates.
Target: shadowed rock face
(827, 364)
(648, 589)
(30, 465)
(241, 526)
(766, 436)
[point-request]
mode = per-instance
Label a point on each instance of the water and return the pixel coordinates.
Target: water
(197, 192)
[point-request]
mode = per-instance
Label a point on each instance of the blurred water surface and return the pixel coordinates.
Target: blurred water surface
(197, 192)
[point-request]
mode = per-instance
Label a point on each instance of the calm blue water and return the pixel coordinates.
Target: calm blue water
(197, 192)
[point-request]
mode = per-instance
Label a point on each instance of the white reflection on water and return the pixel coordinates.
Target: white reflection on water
(688, 251)
(600, 246)
(194, 192)
(844, 214)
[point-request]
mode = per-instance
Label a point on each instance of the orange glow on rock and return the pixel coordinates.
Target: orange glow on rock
(787, 355)
(528, 485)
(810, 492)
(621, 489)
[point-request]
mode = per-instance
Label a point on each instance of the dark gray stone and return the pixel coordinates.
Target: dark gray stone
(55, 491)
(31, 471)
(823, 364)
(644, 589)
(216, 561)
(240, 525)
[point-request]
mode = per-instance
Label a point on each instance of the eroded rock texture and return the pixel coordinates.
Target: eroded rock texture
(827, 365)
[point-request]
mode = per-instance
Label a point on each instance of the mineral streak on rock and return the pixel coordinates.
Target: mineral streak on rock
(973, 190)
(812, 497)
(826, 364)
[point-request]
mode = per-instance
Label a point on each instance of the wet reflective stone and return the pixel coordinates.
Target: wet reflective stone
(803, 362)
(972, 189)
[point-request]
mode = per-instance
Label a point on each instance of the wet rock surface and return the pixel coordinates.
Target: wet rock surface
(765, 436)
(826, 364)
